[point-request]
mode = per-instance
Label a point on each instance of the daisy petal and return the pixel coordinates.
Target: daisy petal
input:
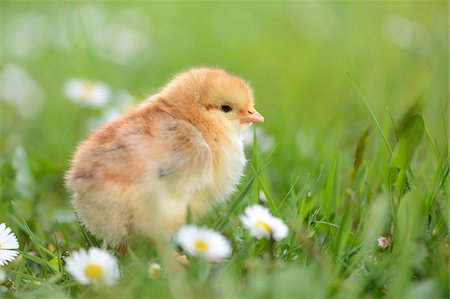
(8, 242)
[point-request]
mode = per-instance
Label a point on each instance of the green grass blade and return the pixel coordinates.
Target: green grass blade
(366, 103)
(433, 144)
(42, 251)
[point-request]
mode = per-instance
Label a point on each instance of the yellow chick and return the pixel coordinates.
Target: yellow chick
(137, 176)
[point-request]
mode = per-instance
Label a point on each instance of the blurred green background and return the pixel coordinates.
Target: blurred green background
(296, 55)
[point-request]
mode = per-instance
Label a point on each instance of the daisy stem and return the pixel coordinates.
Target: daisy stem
(271, 250)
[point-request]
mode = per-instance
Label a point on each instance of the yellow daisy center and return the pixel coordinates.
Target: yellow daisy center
(263, 225)
(154, 271)
(201, 245)
(93, 271)
(86, 92)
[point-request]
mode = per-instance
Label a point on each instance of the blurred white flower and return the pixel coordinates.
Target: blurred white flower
(315, 20)
(405, 33)
(120, 36)
(400, 31)
(203, 242)
(110, 114)
(265, 141)
(26, 35)
(19, 89)
(24, 181)
(8, 244)
(3, 276)
(121, 103)
(87, 93)
(95, 266)
(384, 242)
(154, 270)
(121, 43)
(261, 223)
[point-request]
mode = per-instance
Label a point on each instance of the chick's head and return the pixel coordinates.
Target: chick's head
(216, 94)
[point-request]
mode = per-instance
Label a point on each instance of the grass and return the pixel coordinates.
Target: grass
(359, 119)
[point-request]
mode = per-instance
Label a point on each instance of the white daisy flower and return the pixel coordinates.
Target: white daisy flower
(203, 242)
(95, 266)
(261, 224)
(87, 93)
(20, 90)
(8, 244)
(154, 270)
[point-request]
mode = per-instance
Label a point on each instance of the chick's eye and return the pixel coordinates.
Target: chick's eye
(226, 108)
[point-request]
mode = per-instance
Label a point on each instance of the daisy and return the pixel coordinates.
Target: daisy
(384, 242)
(8, 244)
(154, 270)
(203, 242)
(87, 93)
(95, 266)
(261, 224)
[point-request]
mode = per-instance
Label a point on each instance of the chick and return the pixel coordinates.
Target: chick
(137, 176)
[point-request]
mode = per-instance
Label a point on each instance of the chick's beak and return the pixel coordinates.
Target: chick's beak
(252, 116)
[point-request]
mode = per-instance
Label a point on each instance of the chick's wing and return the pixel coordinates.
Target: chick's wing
(152, 152)
(180, 155)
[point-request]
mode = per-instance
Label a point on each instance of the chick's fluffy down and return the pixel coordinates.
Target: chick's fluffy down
(136, 176)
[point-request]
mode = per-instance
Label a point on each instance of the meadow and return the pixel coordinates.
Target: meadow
(354, 147)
